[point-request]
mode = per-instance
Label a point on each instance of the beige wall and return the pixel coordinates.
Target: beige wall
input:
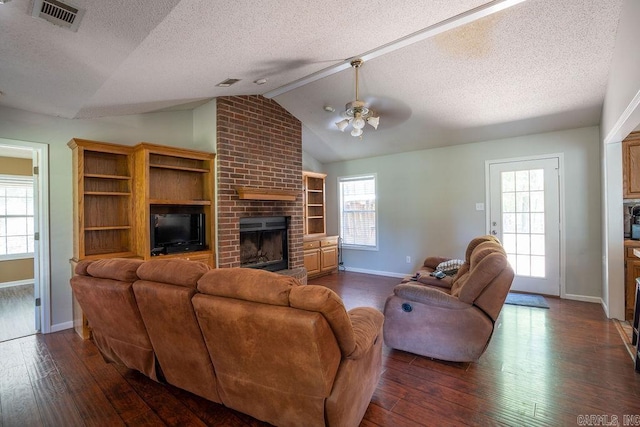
(14, 270)
(14, 166)
(20, 269)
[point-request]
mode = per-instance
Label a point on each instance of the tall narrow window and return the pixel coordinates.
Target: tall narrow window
(523, 230)
(16, 216)
(358, 216)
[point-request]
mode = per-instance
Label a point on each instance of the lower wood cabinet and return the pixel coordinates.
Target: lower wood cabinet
(321, 255)
(631, 272)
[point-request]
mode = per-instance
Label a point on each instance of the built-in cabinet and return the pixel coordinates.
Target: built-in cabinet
(320, 255)
(103, 200)
(116, 188)
(631, 166)
(632, 271)
(170, 180)
(320, 250)
(631, 190)
(314, 203)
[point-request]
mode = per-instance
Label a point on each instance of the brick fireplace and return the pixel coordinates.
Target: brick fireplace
(259, 144)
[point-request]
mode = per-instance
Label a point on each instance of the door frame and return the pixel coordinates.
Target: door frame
(42, 255)
(561, 204)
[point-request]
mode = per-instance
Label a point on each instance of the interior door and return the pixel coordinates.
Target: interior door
(36, 240)
(524, 213)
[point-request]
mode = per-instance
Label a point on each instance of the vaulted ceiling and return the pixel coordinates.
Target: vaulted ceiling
(537, 66)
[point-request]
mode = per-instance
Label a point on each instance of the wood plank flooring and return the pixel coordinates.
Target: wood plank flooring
(17, 312)
(542, 368)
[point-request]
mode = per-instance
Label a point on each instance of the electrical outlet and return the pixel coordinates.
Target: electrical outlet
(408, 259)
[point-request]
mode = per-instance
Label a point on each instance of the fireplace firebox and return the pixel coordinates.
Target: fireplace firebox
(263, 243)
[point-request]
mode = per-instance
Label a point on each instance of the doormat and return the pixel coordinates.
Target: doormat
(527, 300)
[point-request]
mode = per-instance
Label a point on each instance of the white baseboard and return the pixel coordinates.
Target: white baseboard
(16, 283)
(61, 326)
(584, 298)
(376, 272)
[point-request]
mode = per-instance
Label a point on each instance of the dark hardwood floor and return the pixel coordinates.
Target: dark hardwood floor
(543, 367)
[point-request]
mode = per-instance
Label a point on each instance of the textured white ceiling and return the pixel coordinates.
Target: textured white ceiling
(541, 65)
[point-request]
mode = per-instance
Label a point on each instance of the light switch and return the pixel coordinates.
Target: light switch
(479, 206)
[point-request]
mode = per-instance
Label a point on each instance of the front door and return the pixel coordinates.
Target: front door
(524, 213)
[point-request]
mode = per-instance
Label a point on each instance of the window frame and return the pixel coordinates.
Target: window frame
(341, 180)
(25, 180)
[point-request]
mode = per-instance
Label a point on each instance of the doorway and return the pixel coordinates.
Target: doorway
(524, 213)
(24, 217)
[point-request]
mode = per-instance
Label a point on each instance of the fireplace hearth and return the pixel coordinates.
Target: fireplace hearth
(263, 243)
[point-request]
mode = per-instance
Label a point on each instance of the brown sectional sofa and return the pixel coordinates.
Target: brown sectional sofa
(255, 341)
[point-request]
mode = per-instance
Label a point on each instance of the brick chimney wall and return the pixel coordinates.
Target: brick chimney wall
(259, 144)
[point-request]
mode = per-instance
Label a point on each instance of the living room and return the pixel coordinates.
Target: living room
(428, 196)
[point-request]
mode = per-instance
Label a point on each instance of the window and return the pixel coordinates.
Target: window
(16, 216)
(358, 217)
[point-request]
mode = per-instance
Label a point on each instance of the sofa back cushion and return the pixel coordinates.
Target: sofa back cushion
(249, 285)
(328, 303)
(164, 296)
(173, 271)
(486, 262)
(111, 309)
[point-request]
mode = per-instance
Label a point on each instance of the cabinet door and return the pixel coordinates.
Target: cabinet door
(312, 261)
(632, 272)
(329, 258)
(631, 166)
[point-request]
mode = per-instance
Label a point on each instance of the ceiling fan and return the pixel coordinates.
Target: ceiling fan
(356, 112)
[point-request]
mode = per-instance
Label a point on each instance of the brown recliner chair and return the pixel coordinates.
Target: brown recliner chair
(456, 323)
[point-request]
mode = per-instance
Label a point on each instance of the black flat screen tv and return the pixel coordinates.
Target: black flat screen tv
(177, 232)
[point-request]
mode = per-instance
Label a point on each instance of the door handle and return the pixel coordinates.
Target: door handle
(494, 232)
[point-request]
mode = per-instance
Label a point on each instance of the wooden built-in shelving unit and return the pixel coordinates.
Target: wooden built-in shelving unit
(117, 187)
(320, 250)
(102, 199)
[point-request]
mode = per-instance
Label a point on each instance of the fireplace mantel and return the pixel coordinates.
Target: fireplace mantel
(254, 193)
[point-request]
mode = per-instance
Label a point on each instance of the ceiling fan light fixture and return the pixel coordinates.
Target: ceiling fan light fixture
(373, 121)
(358, 122)
(342, 124)
(357, 113)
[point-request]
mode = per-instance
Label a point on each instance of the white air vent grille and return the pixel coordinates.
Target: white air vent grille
(57, 13)
(228, 82)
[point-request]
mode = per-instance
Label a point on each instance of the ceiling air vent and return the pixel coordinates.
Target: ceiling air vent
(228, 82)
(58, 13)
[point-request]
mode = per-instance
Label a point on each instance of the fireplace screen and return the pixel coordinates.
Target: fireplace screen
(263, 243)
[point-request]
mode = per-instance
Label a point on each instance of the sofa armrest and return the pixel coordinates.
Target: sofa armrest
(367, 328)
(431, 296)
(433, 261)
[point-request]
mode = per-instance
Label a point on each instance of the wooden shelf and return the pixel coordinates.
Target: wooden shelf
(105, 193)
(180, 168)
(252, 193)
(103, 176)
(180, 202)
(109, 227)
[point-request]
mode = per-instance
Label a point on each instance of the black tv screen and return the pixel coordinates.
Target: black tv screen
(175, 229)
